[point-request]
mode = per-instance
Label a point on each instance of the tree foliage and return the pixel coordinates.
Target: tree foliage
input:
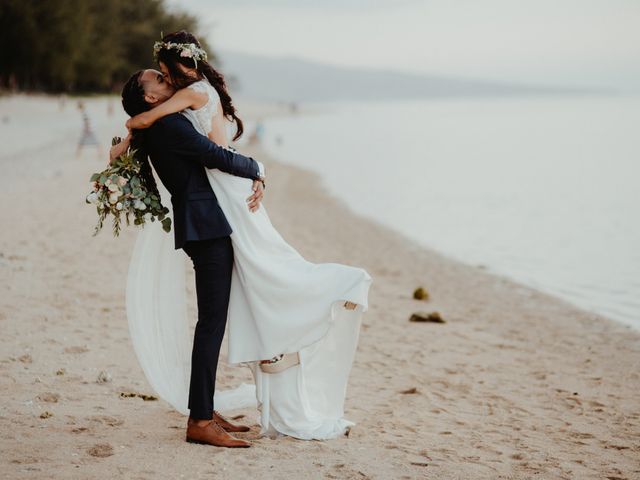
(81, 45)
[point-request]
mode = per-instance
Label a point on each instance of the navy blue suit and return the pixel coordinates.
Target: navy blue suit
(179, 155)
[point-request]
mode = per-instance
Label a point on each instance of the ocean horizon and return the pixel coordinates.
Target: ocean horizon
(541, 189)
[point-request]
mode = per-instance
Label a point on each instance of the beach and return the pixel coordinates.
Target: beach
(516, 384)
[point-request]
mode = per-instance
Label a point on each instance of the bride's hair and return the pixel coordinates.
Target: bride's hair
(171, 57)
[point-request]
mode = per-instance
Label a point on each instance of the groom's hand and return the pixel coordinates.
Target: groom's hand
(255, 199)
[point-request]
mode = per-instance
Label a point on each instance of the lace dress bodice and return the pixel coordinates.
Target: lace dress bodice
(204, 114)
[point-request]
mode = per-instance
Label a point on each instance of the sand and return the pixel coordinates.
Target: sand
(515, 385)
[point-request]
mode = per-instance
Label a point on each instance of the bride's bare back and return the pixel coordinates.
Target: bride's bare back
(218, 133)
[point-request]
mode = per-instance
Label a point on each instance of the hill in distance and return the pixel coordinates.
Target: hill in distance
(290, 79)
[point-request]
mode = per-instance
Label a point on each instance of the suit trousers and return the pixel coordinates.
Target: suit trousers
(213, 263)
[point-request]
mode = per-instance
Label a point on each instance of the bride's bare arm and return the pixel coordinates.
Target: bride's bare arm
(185, 98)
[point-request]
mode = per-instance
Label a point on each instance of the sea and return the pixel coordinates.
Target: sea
(543, 189)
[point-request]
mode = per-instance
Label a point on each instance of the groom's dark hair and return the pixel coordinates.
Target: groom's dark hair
(133, 103)
(133, 95)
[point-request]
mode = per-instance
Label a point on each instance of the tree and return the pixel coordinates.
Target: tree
(81, 45)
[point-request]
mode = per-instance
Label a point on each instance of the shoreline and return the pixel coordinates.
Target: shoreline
(517, 382)
(414, 244)
(593, 267)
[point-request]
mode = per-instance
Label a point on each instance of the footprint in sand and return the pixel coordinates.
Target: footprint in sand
(616, 447)
(100, 450)
(582, 435)
(26, 460)
(76, 349)
(106, 420)
(26, 358)
(49, 397)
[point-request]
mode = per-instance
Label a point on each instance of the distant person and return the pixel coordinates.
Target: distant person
(87, 137)
(294, 323)
(256, 136)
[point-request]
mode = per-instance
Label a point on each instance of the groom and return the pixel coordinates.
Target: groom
(179, 155)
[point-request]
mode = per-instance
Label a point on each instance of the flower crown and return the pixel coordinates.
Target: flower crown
(187, 50)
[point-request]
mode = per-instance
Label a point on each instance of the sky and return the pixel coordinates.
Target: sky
(582, 43)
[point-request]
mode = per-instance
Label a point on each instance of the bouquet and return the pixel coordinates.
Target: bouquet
(122, 191)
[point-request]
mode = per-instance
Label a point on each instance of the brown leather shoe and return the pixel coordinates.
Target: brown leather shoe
(227, 425)
(212, 434)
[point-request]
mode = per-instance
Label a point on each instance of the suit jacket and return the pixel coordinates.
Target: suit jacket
(179, 155)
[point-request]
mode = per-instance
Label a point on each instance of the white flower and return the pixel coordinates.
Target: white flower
(122, 181)
(107, 182)
(139, 205)
(92, 197)
(113, 187)
(119, 206)
(113, 198)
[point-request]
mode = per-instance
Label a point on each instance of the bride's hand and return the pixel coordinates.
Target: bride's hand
(119, 148)
(255, 199)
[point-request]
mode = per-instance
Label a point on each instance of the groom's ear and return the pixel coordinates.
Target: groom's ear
(150, 98)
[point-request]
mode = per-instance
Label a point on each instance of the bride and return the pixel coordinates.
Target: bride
(293, 323)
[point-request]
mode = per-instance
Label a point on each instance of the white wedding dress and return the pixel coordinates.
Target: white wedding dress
(279, 303)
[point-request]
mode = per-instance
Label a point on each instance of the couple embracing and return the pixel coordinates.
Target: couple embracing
(294, 323)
